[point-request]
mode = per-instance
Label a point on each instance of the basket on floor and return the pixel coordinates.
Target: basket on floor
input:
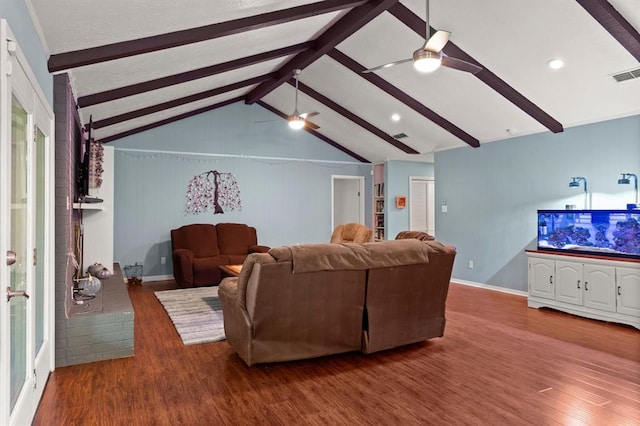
(133, 273)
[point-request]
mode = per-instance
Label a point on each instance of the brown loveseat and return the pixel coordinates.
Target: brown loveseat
(312, 300)
(200, 249)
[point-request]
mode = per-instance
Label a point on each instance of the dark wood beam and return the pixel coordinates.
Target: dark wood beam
(387, 87)
(159, 83)
(178, 102)
(168, 120)
(316, 133)
(615, 24)
(346, 26)
(416, 23)
(351, 116)
(94, 55)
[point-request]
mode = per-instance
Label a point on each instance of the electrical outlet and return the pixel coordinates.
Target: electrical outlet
(471, 264)
(163, 260)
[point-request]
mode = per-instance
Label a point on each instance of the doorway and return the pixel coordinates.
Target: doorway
(26, 236)
(422, 210)
(347, 200)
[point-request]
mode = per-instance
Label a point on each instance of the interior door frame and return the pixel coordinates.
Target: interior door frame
(360, 180)
(16, 78)
(430, 208)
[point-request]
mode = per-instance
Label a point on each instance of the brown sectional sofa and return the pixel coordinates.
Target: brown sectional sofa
(200, 249)
(313, 300)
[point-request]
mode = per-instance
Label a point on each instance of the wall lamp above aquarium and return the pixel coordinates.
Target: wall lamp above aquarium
(625, 180)
(575, 183)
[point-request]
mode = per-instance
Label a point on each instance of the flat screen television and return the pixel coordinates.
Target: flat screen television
(83, 167)
(612, 233)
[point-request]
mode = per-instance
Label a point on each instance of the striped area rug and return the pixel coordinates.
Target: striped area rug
(196, 313)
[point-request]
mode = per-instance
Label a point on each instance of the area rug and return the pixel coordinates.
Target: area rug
(196, 313)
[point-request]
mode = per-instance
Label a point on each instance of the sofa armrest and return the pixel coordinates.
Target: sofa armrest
(237, 324)
(258, 249)
(183, 266)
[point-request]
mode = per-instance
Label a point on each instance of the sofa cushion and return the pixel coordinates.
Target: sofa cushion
(235, 238)
(201, 239)
(346, 256)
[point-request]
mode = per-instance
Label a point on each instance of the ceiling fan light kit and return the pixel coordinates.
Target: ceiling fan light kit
(426, 61)
(296, 122)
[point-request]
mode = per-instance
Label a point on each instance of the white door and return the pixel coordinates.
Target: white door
(600, 287)
(541, 282)
(628, 291)
(569, 285)
(422, 211)
(26, 230)
(347, 200)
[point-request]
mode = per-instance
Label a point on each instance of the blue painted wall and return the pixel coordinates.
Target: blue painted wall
(17, 15)
(493, 192)
(284, 178)
(397, 175)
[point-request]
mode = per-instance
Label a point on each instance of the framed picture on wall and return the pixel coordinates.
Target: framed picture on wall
(401, 201)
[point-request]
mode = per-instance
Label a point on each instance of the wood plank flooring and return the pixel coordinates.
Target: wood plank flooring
(499, 363)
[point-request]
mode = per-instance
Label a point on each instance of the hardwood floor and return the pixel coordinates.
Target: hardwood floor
(499, 363)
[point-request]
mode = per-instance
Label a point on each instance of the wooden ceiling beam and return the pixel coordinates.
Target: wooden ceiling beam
(612, 21)
(316, 134)
(159, 83)
(412, 103)
(352, 117)
(178, 102)
(355, 19)
(108, 52)
(169, 120)
(414, 22)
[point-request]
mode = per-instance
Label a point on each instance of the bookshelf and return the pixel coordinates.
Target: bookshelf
(378, 203)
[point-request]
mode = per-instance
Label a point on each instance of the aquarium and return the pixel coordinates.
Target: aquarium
(603, 232)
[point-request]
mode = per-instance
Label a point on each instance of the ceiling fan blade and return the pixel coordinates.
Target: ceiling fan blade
(307, 115)
(459, 64)
(311, 125)
(437, 41)
(390, 64)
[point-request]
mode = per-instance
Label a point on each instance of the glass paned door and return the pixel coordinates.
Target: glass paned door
(18, 245)
(26, 236)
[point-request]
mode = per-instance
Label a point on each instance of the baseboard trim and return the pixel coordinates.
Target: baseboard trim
(152, 278)
(491, 287)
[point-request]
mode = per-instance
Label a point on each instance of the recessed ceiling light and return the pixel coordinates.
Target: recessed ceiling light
(555, 64)
(395, 117)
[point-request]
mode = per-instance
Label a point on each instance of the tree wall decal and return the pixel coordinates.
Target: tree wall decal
(213, 190)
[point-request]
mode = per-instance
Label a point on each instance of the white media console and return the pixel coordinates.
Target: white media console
(597, 287)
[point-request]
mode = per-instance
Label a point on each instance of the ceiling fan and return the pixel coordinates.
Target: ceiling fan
(297, 120)
(429, 57)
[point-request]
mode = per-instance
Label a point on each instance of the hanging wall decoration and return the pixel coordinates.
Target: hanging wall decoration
(213, 190)
(96, 158)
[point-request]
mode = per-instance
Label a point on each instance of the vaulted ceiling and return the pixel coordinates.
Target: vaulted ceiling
(136, 65)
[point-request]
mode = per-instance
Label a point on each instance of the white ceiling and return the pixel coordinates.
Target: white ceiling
(513, 39)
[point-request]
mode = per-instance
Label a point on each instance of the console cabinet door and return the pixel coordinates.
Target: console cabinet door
(541, 278)
(628, 291)
(569, 285)
(600, 287)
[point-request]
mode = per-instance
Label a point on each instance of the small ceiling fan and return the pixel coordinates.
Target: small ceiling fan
(429, 57)
(297, 120)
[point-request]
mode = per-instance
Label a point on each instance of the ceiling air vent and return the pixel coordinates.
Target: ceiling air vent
(400, 136)
(627, 75)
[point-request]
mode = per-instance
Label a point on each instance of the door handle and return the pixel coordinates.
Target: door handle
(14, 293)
(11, 257)
(585, 286)
(578, 283)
